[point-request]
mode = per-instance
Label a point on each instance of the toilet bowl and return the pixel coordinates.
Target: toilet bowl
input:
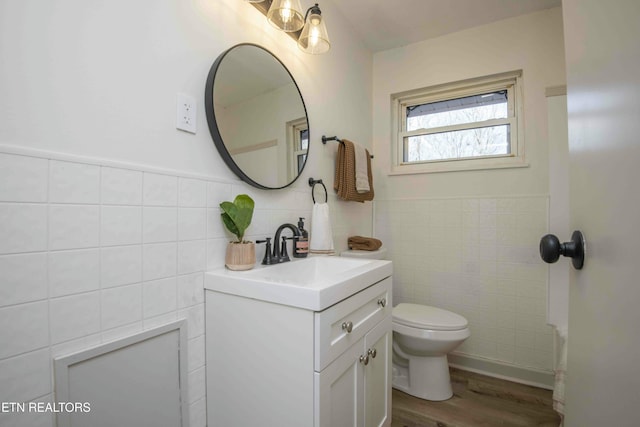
(422, 338)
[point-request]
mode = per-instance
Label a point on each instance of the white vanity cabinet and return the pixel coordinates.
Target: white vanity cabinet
(271, 364)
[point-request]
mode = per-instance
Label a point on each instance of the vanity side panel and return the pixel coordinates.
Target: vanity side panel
(259, 363)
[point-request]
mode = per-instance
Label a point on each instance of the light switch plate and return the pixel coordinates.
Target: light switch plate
(186, 113)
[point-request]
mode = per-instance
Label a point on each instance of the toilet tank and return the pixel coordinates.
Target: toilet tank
(377, 254)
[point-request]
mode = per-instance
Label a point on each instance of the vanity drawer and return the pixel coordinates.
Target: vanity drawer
(344, 323)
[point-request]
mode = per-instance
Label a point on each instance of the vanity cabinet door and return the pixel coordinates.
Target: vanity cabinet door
(355, 389)
(340, 326)
(339, 390)
(377, 375)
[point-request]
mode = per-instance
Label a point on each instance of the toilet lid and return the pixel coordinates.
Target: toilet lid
(427, 317)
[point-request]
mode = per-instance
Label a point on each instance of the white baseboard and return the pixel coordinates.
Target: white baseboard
(536, 378)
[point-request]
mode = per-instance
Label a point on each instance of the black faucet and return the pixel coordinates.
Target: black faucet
(268, 259)
(280, 255)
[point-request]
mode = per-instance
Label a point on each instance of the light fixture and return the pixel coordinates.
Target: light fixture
(285, 15)
(314, 37)
(309, 31)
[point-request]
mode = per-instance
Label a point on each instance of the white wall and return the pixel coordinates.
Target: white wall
(108, 214)
(266, 165)
(100, 78)
(468, 241)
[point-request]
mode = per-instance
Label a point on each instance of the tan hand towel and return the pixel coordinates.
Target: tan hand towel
(364, 243)
(345, 178)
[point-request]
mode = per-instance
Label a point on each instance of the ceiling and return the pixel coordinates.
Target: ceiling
(387, 24)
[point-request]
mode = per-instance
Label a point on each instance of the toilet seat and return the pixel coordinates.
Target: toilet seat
(427, 317)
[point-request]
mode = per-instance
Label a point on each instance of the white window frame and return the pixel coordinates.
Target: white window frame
(511, 81)
(294, 128)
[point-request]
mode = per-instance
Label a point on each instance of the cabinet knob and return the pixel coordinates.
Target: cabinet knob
(364, 360)
(372, 353)
(382, 302)
(347, 326)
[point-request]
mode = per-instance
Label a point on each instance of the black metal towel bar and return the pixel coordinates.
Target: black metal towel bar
(335, 138)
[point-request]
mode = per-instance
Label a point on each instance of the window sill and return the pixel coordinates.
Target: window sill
(458, 166)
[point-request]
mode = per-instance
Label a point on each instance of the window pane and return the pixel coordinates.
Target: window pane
(469, 109)
(485, 141)
(301, 159)
(304, 139)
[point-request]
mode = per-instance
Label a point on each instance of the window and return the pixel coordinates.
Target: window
(302, 145)
(298, 135)
(459, 126)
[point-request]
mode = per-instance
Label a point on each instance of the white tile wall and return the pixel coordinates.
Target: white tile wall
(191, 222)
(477, 257)
(121, 306)
(73, 272)
(74, 316)
(160, 224)
(191, 256)
(22, 328)
(121, 187)
(24, 228)
(192, 193)
(73, 183)
(74, 226)
(24, 179)
(31, 419)
(120, 265)
(159, 260)
(92, 253)
(160, 190)
(198, 412)
(24, 278)
(121, 225)
(159, 297)
(25, 377)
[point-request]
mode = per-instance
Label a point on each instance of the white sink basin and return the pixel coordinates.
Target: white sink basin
(314, 283)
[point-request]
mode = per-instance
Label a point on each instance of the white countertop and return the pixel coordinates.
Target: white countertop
(312, 283)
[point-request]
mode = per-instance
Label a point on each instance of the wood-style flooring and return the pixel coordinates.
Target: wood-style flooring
(478, 401)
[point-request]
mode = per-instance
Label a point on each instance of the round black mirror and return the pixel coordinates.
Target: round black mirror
(257, 117)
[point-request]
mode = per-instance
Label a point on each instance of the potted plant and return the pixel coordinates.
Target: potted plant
(236, 216)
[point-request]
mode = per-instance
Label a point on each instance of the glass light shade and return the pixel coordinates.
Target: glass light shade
(285, 15)
(314, 37)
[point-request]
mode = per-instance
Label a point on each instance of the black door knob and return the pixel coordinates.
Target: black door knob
(551, 249)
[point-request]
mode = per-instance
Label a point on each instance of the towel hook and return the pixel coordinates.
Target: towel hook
(312, 184)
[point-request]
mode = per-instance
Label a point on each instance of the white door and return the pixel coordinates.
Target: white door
(602, 41)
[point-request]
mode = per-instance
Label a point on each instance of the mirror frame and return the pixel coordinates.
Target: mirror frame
(213, 123)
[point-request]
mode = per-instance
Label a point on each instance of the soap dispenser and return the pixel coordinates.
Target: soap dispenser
(301, 247)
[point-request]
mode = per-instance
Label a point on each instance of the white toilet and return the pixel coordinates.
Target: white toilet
(422, 338)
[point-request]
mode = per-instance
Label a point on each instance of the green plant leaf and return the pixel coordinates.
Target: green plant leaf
(228, 222)
(242, 201)
(237, 216)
